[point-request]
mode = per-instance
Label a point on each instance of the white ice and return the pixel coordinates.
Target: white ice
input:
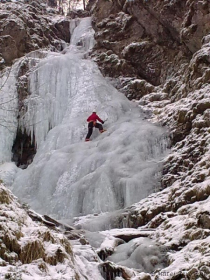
(141, 253)
(70, 177)
(8, 172)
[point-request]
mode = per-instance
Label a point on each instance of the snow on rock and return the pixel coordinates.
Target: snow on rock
(193, 260)
(29, 26)
(182, 233)
(29, 250)
(87, 261)
(180, 212)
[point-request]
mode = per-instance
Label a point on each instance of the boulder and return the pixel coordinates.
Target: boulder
(8, 49)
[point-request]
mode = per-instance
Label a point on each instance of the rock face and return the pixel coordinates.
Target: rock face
(148, 39)
(28, 242)
(162, 50)
(39, 247)
(27, 27)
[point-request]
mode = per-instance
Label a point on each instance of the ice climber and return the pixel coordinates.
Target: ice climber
(92, 122)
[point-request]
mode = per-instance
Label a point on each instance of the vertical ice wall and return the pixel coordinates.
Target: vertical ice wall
(82, 34)
(8, 112)
(55, 82)
(68, 176)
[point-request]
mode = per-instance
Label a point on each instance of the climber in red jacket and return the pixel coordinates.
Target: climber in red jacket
(92, 122)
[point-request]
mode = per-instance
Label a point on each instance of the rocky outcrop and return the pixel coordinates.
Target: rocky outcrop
(148, 39)
(165, 68)
(26, 242)
(164, 43)
(110, 271)
(171, 37)
(78, 14)
(37, 246)
(27, 27)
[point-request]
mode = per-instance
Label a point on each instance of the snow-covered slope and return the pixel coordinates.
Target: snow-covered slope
(30, 250)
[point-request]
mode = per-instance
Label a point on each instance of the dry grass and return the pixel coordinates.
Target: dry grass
(67, 246)
(11, 243)
(59, 256)
(47, 237)
(9, 248)
(42, 266)
(32, 251)
(16, 244)
(4, 197)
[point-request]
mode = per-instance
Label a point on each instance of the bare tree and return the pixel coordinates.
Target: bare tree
(4, 83)
(69, 5)
(72, 4)
(85, 2)
(4, 110)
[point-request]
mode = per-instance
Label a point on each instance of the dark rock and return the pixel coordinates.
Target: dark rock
(27, 27)
(24, 149)
(58, 224)
(78, 13)
(110, 271)
(128, 237)
(8, 48)
(204, 220)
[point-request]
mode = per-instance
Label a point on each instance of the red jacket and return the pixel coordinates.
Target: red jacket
(93, 118)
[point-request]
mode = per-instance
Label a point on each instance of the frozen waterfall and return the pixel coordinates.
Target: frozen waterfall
(70, 177)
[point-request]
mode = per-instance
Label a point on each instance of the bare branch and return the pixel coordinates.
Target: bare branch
(10, 69)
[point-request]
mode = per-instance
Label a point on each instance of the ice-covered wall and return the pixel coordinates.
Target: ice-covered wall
(55, 83)
(82, 34)
(68, 176)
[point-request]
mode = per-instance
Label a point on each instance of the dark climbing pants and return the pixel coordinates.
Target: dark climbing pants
(90, 128)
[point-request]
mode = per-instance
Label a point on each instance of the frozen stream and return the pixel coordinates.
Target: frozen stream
(70, 177)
